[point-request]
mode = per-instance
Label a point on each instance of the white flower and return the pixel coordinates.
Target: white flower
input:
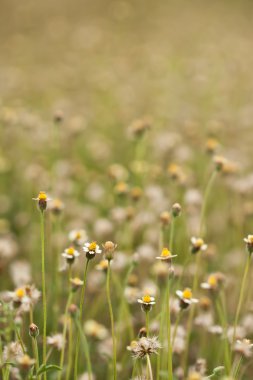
(78, 237)
(186, 297)
(91, 249)
(70, 253)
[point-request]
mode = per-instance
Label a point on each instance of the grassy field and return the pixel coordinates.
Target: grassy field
(126, 132)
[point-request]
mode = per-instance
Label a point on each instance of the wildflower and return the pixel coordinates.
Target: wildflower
(12, 351)
(139, 127)
(56, 341)
(146, 346)
(219, 162)
(25, 362)
(102, 265)
(58, 116)
(109, 248)
(78, 237)
(211, 145)
(56, 206)
(76, 283)
(244, 347)
(249, 243)
(166, 255)
(165, 218)
(194, 376)
(73, 310)
(198, 244)
(176, 209)
(70, 254)
(186, 298)
(95, 330)
(19, 297)
(211, 284)
(146, 302)
(132, 345)
(136, 193)
(142, 332)
(121, 188)
(91, 249)
(42, 200)
(33, 330)
(176, 173)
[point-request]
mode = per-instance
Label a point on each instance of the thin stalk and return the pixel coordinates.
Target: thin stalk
(70, 349)
(19, 338)
(149, 368)
(241, 297)
(175, 329)
(170, 370)
(81, 318)
(147, 322)
(162, 319)
(64, 333)
(36, 352)
(237, 367)
(204, 205)
(172, 228)
(86, 347)
(44, 299)
(112, 320)
(223, 322)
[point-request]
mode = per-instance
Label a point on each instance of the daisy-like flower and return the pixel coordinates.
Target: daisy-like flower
(91, 249)
(249, 243)
(146, 346)
(25, 362)
(197, 244)
(186, 298)
(102, 265)
(76, 283)
(78, 237)
(166, 255)
(42, 200)
(56, 206)
(19, 297)
(244, 347)
(131, 347)
(70, 254)
(146, 302)
(95, 330)
(211, 283)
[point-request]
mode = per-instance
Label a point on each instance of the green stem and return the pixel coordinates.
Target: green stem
(70, 349)
(162, 319)
(149, 368)
(241, 297)
(223, 322)
(44, 300)
(170, 370)
(172, 228)
(147, 322)
(204, 205)
(112, 320)
(64, 333)
(36, 352)
(86, 347)
(175, 329)
(81, 318)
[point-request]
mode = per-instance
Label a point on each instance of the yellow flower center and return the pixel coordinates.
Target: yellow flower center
(92, 246)
(187, 294)
(70, 251)
(20, 293)
(199, 242)
(250, 239)
(146, 298)
(103, 264)
(212, 281)
(78, 235)
(194, 376)
(165, 252)
(42, 196)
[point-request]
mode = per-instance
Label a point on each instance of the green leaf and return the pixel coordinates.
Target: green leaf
(46, 368)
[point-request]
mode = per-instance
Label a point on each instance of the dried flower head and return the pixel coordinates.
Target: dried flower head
(33, 330)
(25, 362)
(249, 243)
(244, 347)
(56, 341)
(109, 249)
(211, 145)
(165, 218)
(146, 346)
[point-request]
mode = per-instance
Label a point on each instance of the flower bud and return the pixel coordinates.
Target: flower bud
(33, 330)
(109, 248)
(176, 210)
